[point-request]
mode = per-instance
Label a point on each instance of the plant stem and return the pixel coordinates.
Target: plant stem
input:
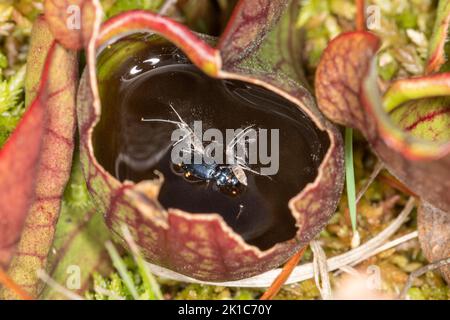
(350, 176)
(122, 269)
(360, 15)
(283, 276)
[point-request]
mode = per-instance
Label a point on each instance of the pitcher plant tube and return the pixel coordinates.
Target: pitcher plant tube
(145, 76)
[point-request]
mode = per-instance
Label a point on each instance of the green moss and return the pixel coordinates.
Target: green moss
(11, 101)
(201, 292)
(120, 6)
(3, 62)
(12, 68)
(113, 287)
(7, 125)
(407, 19)
(306, 290)
(426, 292)
(387, 66)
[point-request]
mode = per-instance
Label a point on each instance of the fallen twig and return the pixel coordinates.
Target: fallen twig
(57, 287)
(388, 245)
(419, 272)
(283, 276)
(321, 276)
(360, 15)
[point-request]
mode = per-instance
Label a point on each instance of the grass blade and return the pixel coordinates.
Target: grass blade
(149, 281)
(350, 180)
(122, 269)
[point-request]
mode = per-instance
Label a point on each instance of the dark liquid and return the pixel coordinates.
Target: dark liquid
(144, 85)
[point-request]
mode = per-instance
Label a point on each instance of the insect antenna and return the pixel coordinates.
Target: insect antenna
(237, 138)
(240, 162)
(164, 120)
(181, 123)
(178, 115)
(229, 152)
(196, 143)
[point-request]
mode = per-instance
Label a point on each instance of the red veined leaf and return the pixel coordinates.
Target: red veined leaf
(71, 21)
(57, 98)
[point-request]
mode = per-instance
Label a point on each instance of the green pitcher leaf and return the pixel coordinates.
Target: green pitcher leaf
(53, 167)
(78, 249)
(204, 246)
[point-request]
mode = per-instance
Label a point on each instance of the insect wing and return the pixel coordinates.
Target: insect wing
(240, 174)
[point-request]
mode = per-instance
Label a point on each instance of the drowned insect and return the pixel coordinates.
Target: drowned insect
(230, 178)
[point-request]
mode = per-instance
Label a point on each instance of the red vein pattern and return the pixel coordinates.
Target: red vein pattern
(427, 118)
(53, 170)
(71, 21)
(204, 247)
(79, 241)
(342, 68)
(250, 22)
(18, 160)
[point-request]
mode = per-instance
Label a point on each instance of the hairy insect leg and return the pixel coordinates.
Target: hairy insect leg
(243, 166)
(177, 114)
(196, 141)
(181, 124)
(236, 139)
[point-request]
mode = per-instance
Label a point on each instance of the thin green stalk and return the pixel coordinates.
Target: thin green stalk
(150, 283)
(122, 269)
(350, 176)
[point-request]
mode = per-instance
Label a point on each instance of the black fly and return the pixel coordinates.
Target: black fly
(223, 176)
(229, 178)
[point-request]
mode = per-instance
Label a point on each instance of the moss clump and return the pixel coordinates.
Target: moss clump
(306, 290)
(429, 287)
(15, 29)
(115, 7)
(11, 100)
(404, 27)
(202, 292)
(113, 287)
(427, 292)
